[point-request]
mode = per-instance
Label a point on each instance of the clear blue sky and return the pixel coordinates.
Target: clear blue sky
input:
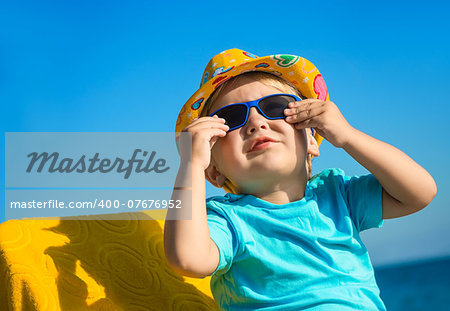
(109, 66)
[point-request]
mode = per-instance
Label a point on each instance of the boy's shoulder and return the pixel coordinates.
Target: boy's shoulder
(326, 176)
(224, 206)
(335, 180)
(228, 198)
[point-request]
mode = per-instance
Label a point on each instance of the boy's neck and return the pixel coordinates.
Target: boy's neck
(284, 192)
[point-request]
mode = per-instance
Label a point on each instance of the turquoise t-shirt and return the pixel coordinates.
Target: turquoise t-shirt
(303, 255)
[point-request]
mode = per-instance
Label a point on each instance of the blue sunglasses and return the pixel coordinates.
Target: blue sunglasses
(271, 107)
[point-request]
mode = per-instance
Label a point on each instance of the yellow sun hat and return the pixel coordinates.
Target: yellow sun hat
(227, 64)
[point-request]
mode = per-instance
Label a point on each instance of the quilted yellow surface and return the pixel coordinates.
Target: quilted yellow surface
(100, 264)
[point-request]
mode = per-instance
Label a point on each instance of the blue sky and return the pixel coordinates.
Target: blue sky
(109, 66)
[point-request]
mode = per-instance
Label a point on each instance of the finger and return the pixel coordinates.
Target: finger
(216, 132)
(212, 121)
(310, 105)
(302, 107)
(303, 102)
(305, 114)
(215, 135)
(205, 119)
(308, 123)
(214, 118)
(196, 128)
(208, 125)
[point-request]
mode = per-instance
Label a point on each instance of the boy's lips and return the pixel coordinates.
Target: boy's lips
(258, 141)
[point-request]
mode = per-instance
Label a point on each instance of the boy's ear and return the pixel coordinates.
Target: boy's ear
(313, 146)
(216, 178)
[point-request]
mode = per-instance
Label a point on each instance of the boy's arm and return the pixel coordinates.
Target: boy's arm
(187, 244)
(407, 187)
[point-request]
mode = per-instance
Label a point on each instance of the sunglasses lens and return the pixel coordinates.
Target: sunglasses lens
(274, 106)
(234, 115)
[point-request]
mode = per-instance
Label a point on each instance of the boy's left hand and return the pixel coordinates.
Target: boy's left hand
(323, 116)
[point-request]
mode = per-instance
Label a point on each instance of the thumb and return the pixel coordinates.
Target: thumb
(213, 141)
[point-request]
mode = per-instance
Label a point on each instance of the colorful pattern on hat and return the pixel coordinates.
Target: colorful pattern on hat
(230, 63)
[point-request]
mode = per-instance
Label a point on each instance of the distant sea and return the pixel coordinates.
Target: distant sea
(419, 286)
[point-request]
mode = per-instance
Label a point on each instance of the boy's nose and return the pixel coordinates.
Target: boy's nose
(255, 121)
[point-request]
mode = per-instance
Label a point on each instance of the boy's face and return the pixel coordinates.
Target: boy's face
(277, 162)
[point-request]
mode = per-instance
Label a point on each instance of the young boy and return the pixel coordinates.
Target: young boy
(280, 240)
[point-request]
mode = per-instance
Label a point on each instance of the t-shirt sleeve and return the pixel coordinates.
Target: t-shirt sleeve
(364, 201)
(223, 234)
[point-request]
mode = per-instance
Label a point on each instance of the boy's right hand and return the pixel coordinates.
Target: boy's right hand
(205, 133)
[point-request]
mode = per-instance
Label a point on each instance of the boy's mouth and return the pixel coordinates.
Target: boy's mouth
(261, 143)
